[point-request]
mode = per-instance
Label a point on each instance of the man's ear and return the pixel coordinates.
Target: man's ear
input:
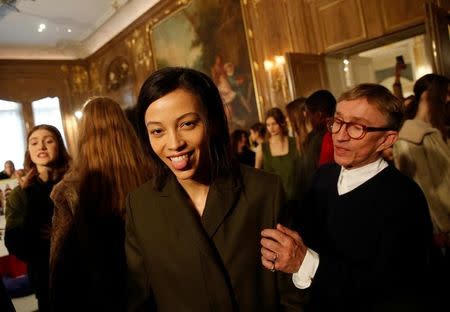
(389, 139)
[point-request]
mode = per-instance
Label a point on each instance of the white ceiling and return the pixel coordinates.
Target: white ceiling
(73, 28)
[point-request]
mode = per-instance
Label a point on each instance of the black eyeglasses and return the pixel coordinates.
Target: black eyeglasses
(354, 130)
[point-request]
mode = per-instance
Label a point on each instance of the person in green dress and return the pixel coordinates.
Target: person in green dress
(279, 154)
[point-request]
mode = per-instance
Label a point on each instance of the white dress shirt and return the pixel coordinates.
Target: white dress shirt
(348, 180)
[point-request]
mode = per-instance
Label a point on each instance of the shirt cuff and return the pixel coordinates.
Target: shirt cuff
(303, 278)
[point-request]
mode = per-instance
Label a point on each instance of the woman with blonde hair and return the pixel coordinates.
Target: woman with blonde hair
(87, 254)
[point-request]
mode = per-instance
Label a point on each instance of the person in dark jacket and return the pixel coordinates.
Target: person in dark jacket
(193, 231)
(29, 209)
(366, 234)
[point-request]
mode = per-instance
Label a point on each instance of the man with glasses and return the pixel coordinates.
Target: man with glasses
(365, 228)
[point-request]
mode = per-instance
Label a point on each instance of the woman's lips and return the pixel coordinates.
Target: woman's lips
(180, 162)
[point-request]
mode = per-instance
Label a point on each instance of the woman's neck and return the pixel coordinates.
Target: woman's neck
(277, 138)
(422, 112)
(44, 172)
(197, 193)
(279, 145)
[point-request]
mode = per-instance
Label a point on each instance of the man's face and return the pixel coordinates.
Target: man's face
(354, 153)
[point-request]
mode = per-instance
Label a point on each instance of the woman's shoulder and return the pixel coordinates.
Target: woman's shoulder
(257, 177)
(414, 131)
(145, 190)
(65, 193)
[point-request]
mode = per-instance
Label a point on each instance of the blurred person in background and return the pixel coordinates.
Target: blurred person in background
(241, 149)
(257, 135)
(9, 171)
(29, 209)
(88, 267)
(279, 154)
(296, 114)
(423, 154)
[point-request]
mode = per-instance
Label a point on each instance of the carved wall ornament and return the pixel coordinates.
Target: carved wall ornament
(79, 79)
(117, 73)
(94, 72)
(139, 49)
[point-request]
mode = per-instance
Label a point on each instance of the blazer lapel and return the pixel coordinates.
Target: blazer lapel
(222, 197)
(189, 230)
(184, 219)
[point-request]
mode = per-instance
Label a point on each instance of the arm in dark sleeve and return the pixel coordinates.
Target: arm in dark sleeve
(403, 257)
(139, 292)
(5, 301)
(15, 216)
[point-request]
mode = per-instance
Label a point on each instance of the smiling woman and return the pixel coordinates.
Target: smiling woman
(177, 133)
(198, 221)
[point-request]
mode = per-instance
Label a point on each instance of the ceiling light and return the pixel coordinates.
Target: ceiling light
(41, 27)
(69, 30)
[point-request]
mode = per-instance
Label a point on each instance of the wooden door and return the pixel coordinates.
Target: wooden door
(307, 73)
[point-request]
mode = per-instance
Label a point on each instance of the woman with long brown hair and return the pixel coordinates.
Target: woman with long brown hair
(296, 114)
(29, 209)
(422, 151)
(87, 253)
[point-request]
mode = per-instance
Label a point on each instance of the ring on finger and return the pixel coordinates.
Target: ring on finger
(273, 268)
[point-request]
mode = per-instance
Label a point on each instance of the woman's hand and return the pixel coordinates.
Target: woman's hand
(25, 180)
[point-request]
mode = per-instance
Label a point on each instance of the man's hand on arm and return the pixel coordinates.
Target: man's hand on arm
(282, 249)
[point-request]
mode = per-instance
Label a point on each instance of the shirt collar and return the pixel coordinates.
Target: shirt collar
(349, 179)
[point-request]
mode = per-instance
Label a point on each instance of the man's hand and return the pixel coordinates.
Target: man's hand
(282, 249)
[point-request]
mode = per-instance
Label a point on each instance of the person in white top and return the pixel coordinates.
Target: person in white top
(368, 223)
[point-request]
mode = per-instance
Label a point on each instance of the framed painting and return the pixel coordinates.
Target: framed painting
(209, 35)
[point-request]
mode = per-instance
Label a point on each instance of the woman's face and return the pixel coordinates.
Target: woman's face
(177, 133)
(273, 127)
(9, 168)
(43, 147)
(253, 135)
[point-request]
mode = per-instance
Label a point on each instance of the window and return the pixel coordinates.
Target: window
(12, 134)
(46, 111)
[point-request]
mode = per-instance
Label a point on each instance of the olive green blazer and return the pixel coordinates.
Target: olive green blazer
(178, 261)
